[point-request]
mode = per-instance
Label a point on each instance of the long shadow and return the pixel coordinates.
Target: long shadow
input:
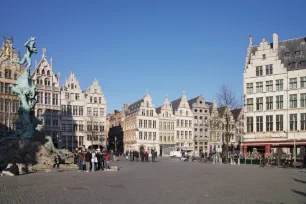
(298, 180)
(299, 192)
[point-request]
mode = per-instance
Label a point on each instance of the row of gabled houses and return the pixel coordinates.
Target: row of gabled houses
(71, 116)
(193, 125)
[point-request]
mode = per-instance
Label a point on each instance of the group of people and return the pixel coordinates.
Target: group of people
(143, 154)
(92, 160)
(12, 169)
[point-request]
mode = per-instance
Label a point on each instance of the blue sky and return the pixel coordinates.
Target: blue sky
(166, 46)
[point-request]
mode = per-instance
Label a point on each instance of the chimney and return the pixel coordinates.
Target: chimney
(275, 41)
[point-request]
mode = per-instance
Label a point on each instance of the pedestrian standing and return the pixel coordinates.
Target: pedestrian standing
(134, 155)
(87, 160)
(57, 161)
(142, 155)
(94, 160)
(131, 156)
(153, 155)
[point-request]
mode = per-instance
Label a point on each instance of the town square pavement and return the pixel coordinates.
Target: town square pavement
(166, 181)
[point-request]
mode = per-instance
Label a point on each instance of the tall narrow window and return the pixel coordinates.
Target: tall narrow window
(279, 122)
(250, 105)
(259, 71)
(259, 104)
(303, 100)
(293, 101)
(303, 121)
(259, 87)
(269, 123)
(269, 69)
(259, 123)
(269, 86)
(303, 82)
(293, 122)
(293, 83)
(249, 88)
(269, 102)
(249, 124)
(279, 102)
(279, 84)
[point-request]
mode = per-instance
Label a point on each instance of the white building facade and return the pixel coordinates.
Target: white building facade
(275, 95)
(141, 126)
(47, 108)
(166, 128)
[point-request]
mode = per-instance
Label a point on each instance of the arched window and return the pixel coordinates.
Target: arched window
(37, 81)
(95, 100)
(43, 72)
(37, 71)
(48, 73)
(46, 82)
(41, 82)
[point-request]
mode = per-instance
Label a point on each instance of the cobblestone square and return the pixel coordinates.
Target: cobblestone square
(166, 181)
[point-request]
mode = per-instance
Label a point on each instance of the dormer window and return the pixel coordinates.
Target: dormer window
(297, 53)
(292, 65)
(303, 64)
(263, 56)
(287, 54)
(201, 102)
(43, 72)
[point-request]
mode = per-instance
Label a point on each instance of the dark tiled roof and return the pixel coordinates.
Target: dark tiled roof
(290, 47)
(133, 107)
(192, 101)
(236, 113)
(175, 104)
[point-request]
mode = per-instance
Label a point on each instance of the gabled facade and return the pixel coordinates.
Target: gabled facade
(275, 94)
(201, 118)
(184, 124)
(166, 128)
(141, 126)
(215, 139)
(9, 102)
(47, 108)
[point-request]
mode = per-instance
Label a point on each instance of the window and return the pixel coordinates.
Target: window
(250, 106)
(269, 86)
(259, 71)
(149, 123)
(293, 101)
(177, 123)
(145, 123)
(269, 69)
(303, 121)
(91, 99)
(75, 110)
(48, 121)
(279, 102)
(7, 73)
(259, 103)
(69, 110)
(145, 136)
(249, 88)
(55, 99)
(77, 96)
(140, 135)
(190, 123)
(195, 117)
(293, 122)
(154, 135)
(95, 100)
(66, 95)
(95, 112)
(186, 113)
(297, 53)
(154, 124)
(47, 98)
(263, 56)
(201, 117)
(303, 64)
(100, 100)
(1, 87)
(81, 110)
(269, 123)
(200, 110)
(143, 112)
(303, 100)
(249, 124)
(279, 84)
(177, 134)
(40, 97)
(89, 111)
(102, 112)
(15, 76)
(150, 135)
(186, 123)
(293, 83)
(55, 122)
(279, 122)
(269, 102)
(151, 112)
(195, 110)
(292, 65)
(259, 87)
(303, 82)
(259, 123)
(140, 123)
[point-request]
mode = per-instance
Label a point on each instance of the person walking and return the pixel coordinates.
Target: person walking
(134, 155)
(87, 160)
(99, 158)
(153, 155)
(131, 155)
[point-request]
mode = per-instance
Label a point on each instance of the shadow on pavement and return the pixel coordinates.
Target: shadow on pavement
(298, 180)
(299, 192)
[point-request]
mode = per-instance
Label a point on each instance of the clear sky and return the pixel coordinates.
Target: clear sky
(166, 46)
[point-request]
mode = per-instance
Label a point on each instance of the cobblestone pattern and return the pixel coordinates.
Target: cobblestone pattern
(167, 181)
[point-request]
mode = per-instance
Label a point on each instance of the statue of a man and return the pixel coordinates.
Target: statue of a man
(30, 45)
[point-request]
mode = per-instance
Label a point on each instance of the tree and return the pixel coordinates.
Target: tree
(227, 99)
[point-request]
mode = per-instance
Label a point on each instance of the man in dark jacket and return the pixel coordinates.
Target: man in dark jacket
(88, 160)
